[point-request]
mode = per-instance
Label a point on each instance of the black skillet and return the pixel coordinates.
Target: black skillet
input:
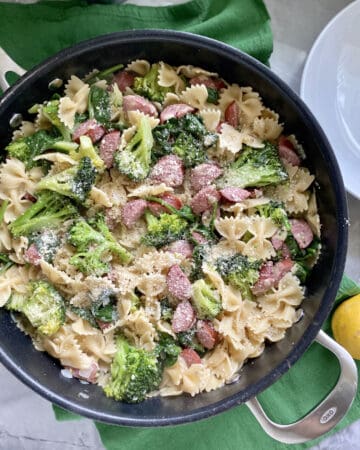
(42, 373)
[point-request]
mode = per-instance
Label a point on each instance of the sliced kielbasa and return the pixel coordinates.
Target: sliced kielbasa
(108, 146)
(287, 151)
(219, 126)
(270, 275)
(281, 268)
(124, 80)
(169, 198)
(204, 199)
(190, 357)
(302, 232)
(177, 110)
(203, 175)
(132, 211)
(178, 283)
(206, 334)
(285, 251)
(90, 128)
(169, 170)
(232, 114)
(28, 196)
(235, 194)
(199, 238)
(32, 255)
(184, 317)
(138, 103)
(181, 246)
(277, 243)
(213, 83)
(89, 375)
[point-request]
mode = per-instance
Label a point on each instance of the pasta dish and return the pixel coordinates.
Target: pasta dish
(157, 228)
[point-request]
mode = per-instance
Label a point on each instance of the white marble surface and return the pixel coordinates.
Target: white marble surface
(26, 420)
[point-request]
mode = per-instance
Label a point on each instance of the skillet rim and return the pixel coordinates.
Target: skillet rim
(324, 309)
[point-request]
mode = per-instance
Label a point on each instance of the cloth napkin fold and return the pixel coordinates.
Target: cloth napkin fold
(30, 33)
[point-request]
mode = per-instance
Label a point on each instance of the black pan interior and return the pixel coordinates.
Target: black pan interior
(41, 372)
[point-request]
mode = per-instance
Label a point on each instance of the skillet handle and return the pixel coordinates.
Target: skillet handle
(8, 65)
(327, 414)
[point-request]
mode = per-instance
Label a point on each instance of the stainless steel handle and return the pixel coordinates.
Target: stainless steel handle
(327, 414)
(8, 65)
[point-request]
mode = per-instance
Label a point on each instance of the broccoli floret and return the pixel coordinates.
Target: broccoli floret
(149, 87)
(189, 150)
(85, 313)
(304, 258)
(255, 167)
(188, 339)
(93, 242)
(86, 149)
(134, 373)
(42, 305)
(239, 271)
(199, 256)
(301, 271)
(82, 235)
(104, 307)
(99, 105)
(163, 230)
(166, 310)
(27, 148)
(79, 119)
(46, 242)
(206, 300)
(75, 182)
(276, 212)
(49, 211)
(134, 160)
(167, 349)
(50, 111)
(213, 95)
(302, 255)
(90, 262)
(187, 137)
(5, 262)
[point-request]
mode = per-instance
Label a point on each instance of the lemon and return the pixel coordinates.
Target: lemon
(345, 325)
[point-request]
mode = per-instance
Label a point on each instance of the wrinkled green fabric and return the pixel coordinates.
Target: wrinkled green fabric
(30, 33)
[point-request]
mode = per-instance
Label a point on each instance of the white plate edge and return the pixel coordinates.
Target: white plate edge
(304, 74)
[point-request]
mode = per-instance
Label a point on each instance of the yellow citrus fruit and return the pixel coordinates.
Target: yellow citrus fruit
(345, 325)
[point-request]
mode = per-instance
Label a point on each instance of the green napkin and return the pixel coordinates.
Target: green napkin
(30, 33)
